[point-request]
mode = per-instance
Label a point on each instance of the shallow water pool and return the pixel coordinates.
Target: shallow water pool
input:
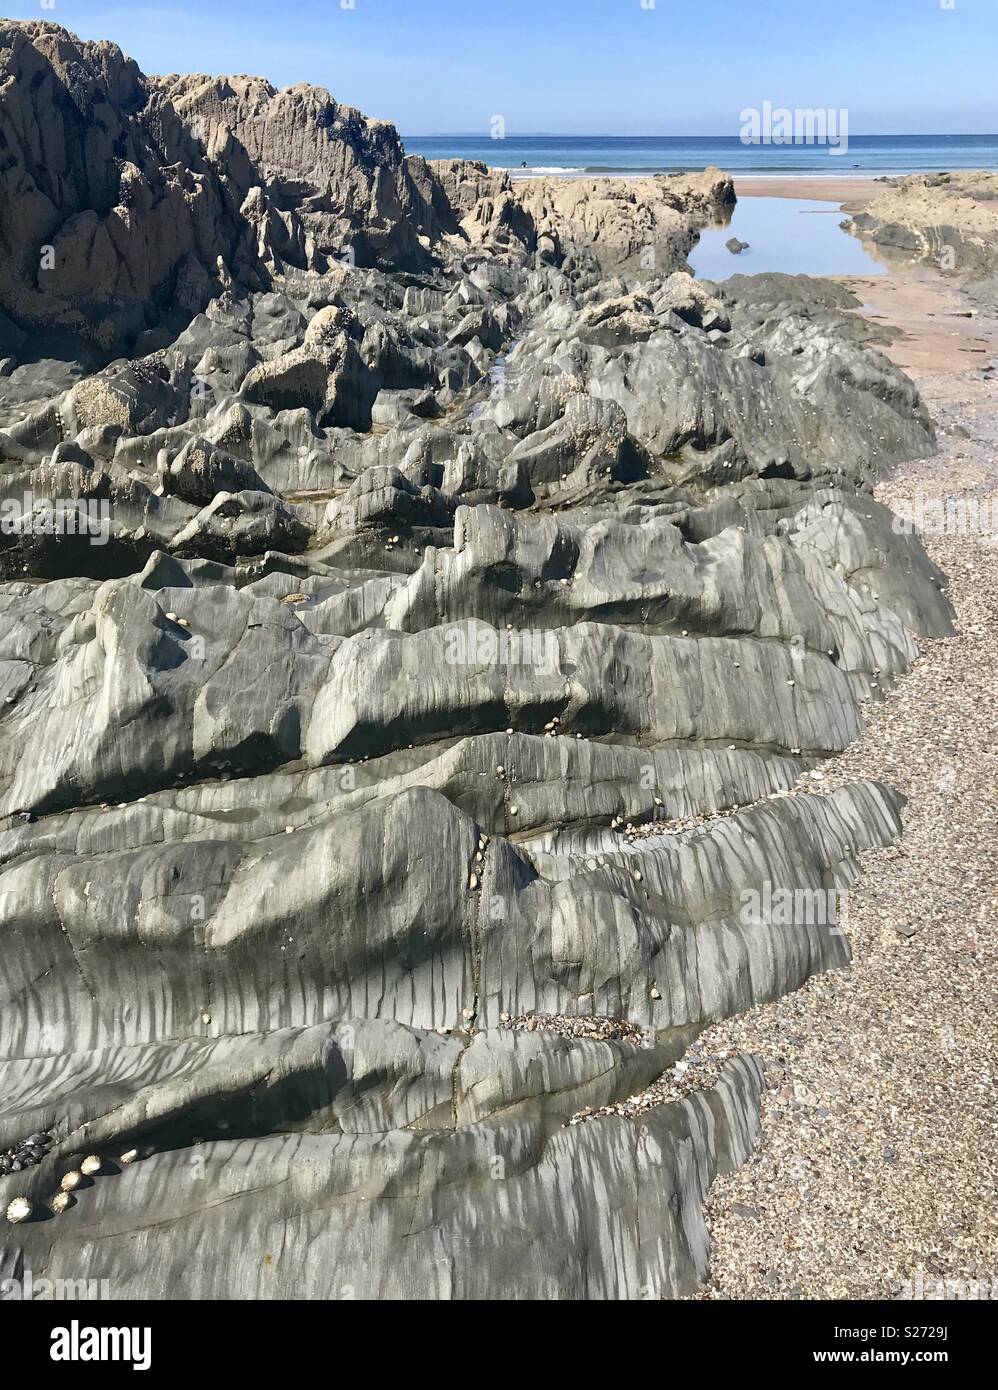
(798, 236)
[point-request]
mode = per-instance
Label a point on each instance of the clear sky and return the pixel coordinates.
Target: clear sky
(581, 67)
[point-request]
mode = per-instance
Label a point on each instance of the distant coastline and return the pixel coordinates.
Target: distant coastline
(579, 155)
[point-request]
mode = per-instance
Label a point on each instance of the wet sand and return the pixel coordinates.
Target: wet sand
(854, 194)
(943, 334)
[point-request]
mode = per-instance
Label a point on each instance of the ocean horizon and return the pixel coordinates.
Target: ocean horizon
(865, 155)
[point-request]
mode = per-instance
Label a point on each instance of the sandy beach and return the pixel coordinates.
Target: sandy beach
(876, 1173)
(852, 193)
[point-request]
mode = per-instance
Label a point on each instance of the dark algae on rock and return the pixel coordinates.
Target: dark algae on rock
(420, 600)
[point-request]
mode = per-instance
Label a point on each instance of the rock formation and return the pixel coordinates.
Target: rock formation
(948, 220)
(375, 623)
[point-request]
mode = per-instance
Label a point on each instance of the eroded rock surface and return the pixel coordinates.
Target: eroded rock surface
(947, 220)
(412, 597)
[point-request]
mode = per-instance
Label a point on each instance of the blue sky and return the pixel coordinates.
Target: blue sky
(615, 67)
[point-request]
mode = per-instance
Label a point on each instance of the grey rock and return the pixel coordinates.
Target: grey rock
(201, 470)
(471, 596)
(749, 1213)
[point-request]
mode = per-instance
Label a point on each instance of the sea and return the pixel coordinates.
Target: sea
(866, 156)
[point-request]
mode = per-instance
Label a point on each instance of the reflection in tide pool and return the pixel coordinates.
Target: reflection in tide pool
(798, 236)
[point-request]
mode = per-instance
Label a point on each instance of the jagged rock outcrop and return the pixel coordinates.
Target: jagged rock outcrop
(639, 225)
(128, 202)
(948, 220)
(403, 658)
(109, 213)
(485, 206)
(339, 186)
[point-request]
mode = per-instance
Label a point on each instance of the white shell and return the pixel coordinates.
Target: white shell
(71, 1181)
(18, 1210)
(129, 1156)
(90, 1165)
(61, 1201)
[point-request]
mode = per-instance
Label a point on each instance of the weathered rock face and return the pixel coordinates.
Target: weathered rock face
(429, 666)
(637, 225)
(338, 185)
(108, 210)
(483, 205)
(949, 220)
(127, 203)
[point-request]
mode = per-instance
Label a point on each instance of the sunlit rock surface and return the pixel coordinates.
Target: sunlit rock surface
(446, 620)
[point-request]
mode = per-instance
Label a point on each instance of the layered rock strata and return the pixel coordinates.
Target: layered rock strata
(947, 220)
(411, 598)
